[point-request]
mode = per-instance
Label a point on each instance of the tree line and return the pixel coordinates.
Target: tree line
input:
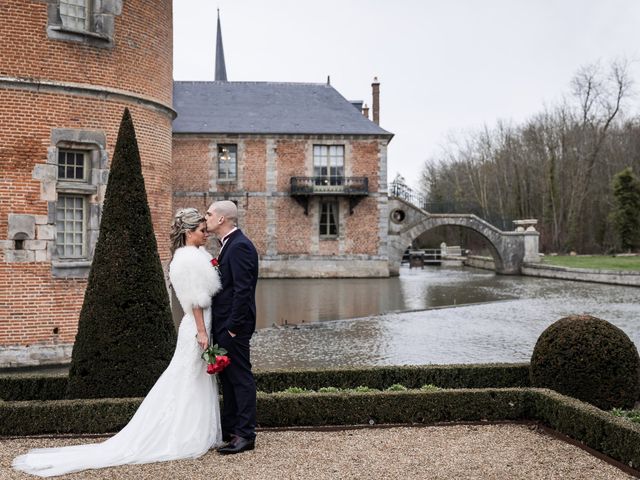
(559, 166)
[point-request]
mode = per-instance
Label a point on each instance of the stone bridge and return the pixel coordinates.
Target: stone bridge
(509, 249)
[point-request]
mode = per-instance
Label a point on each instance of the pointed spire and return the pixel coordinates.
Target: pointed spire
(221, 69)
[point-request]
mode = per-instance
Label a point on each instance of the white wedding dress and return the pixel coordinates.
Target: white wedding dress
(179, 417)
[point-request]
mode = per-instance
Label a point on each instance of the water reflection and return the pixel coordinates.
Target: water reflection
(296, 301)
(503, 329)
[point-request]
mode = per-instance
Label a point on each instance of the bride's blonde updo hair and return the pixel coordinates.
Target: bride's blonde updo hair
(185, 220)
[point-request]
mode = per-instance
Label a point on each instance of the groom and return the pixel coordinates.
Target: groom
(233, 322)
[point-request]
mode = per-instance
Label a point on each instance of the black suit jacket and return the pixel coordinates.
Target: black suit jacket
(234, 307)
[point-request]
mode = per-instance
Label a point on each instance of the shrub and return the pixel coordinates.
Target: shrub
(589, 359)
(126, 335)
(52, 387)
(633, 415)
(396, 387)
(411, 376)
(33, 386)
(328, 390)
(429, 388)
(297, 390)
(363, 389)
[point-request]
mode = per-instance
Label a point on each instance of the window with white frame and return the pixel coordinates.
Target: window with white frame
(328, 219)
(71, 226)
(74, 184)
(75, 14)
(328, 164)
(227, 162)
(71, 208)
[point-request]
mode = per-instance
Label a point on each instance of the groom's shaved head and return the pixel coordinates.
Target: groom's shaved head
(222, 217)
(227, 209)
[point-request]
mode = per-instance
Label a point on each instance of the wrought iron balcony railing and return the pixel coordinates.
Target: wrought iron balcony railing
(329, 186)
(356, 188)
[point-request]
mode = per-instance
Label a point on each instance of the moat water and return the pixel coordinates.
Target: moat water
(437, 315)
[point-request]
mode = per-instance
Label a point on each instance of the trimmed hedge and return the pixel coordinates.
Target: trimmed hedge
(500, 375)
(279, 410)
(51, 387)
(66, 416)
(412, 406)
(33, 387)
(613, 436)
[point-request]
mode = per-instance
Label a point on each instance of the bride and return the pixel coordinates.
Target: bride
(179, 417)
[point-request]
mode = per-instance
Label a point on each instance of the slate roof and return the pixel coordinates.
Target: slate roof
(267, 108)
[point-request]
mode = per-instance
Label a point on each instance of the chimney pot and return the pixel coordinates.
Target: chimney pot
(365, 111)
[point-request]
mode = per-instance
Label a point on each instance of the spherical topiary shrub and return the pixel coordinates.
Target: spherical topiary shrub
(589, 359)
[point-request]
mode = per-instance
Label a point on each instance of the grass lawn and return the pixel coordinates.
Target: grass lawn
(598, 262)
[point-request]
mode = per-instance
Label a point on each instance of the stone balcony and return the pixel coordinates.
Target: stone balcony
(355, 188)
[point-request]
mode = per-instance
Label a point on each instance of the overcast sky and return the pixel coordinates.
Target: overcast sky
(445, 67)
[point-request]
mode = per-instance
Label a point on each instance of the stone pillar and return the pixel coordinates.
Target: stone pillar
(531, 239)
(531, 246)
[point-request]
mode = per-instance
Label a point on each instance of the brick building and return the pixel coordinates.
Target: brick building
(67, 71)
(305, 166)
(307, 169)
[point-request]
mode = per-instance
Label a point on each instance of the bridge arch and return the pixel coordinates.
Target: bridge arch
(407, 222)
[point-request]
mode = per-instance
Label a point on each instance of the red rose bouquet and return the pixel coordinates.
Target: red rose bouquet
(216, 358)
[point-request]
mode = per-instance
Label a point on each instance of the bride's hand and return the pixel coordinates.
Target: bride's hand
(203, 340)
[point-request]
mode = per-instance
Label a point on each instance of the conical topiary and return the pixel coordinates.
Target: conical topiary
(126, 335)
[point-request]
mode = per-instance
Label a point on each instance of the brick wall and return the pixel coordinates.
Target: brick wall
(191, 164)
(141, 60)
(368, 163)
(254, 165)
(37, 308)
(291, 162)
(290, 231)
(294, 229)
(362, 232)
(254, 222)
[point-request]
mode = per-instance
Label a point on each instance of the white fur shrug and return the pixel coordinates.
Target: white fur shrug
(193, 277)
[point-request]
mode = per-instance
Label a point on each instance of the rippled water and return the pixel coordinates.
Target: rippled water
(503, 329)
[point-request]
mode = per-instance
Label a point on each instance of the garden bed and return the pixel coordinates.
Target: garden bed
(606, 433)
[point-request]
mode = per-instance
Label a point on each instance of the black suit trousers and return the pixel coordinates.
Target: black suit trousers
(238, 387)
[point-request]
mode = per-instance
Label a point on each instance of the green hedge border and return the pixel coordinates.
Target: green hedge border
(610, 435)
(32, 404)
(52, 387)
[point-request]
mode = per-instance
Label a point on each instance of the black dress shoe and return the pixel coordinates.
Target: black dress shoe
(237, 445)
(227, 437)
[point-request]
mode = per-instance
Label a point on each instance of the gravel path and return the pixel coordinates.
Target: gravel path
(502, 451)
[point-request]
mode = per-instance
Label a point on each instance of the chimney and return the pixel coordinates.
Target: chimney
(375, 87)
(365, 111)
